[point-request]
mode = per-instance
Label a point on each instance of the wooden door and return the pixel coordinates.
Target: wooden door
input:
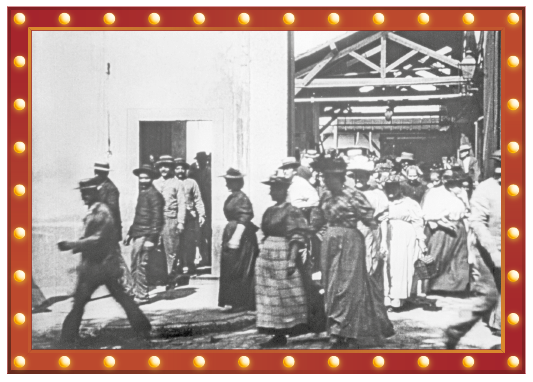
(158, 138)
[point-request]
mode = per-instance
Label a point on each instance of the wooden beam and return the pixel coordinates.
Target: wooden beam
(400, 60)
(312, 74)
(422, 49)
(346, 51)
(367, 54)
(368, 100)
(365, 61)
(398, 81)
(383, 55)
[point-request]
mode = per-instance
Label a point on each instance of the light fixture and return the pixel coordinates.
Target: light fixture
(468, 66)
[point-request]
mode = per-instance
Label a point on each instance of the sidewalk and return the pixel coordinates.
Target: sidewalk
(185, 311)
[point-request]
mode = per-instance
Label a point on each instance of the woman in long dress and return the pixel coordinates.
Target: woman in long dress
(239, 248)
(406, 243)
(280, 294)
(354, 308)
(444, 209)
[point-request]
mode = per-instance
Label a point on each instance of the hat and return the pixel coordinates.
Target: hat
(102, 166)
(87, 184)
(232, 174)
(384, 166)
(274, 179)
(394, 179)
(289, 162)
(146, 169)
(165, 159)
(405, 157)
(415, 169)
(201, 155)
(181, 162)
(464, 147)
(313, 154)
(497, 155)
(360, 162)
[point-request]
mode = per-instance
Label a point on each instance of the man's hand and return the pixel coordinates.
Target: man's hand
(181, 228)
(148, 244)
(422, 246)
(127, 240)
(201, 220)
(64, 245)
(384, 250)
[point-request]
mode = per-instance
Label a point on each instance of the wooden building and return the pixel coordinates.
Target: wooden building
(415, 91)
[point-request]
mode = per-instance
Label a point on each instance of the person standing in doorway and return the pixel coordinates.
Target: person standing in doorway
(109, 195)
(145, 230)
(194, 217)
(174, 212)
(201, 173)
(100, 253)
(468, 163)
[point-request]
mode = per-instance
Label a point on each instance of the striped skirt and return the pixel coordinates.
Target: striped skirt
(280, 299)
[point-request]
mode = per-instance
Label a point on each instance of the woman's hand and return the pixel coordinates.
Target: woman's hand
(291, 268)
(422, 246)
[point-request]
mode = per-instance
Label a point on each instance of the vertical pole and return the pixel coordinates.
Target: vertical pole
(336, 136)
(290, 94)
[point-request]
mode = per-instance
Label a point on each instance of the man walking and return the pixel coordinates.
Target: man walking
(174, 211)
(145, 230)
(109, 195)
(100, 265)
(485, 255)
(194, 218)
(201, 173)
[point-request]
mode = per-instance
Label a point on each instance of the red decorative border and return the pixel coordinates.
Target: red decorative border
(264, 18)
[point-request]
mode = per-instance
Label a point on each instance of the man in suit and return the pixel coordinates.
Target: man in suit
(108, 194)
(145, 230)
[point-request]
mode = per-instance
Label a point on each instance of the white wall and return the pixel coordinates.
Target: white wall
(236, 80)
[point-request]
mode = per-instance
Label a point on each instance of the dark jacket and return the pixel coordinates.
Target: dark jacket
(148, 219)
(109, 195)
(99, 240)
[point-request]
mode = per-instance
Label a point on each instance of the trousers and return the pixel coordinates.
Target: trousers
(189, 242)
(91, 277)
(484, 300)
(139, 261)
(171, 240)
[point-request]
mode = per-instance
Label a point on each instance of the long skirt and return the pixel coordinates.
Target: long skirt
(280, 299)
(450, 251)
(400, 265)
(237, 269)
(354, 302)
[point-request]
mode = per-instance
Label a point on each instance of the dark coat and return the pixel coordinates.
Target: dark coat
(148, 219)
(109, 195)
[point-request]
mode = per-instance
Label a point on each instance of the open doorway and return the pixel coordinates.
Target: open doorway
(193, 141)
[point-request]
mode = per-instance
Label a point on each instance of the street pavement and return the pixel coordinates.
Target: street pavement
(189, 318)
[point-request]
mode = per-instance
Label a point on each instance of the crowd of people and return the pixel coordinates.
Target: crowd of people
(349, 238)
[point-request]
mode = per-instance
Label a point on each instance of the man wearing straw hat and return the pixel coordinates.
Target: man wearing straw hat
(146, 228)
(174, 212)
(109, 195)
(301, 194)
(100, 265)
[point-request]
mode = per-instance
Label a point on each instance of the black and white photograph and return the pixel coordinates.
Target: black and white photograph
(266, 189)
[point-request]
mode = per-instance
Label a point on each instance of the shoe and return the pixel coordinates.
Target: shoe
(274, 342)
(170, 286)
(450, 342)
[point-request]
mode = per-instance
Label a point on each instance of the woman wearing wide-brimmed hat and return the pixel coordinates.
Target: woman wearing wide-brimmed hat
(239, 248)
(280, 293)
(445, 209)
(354, 308)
